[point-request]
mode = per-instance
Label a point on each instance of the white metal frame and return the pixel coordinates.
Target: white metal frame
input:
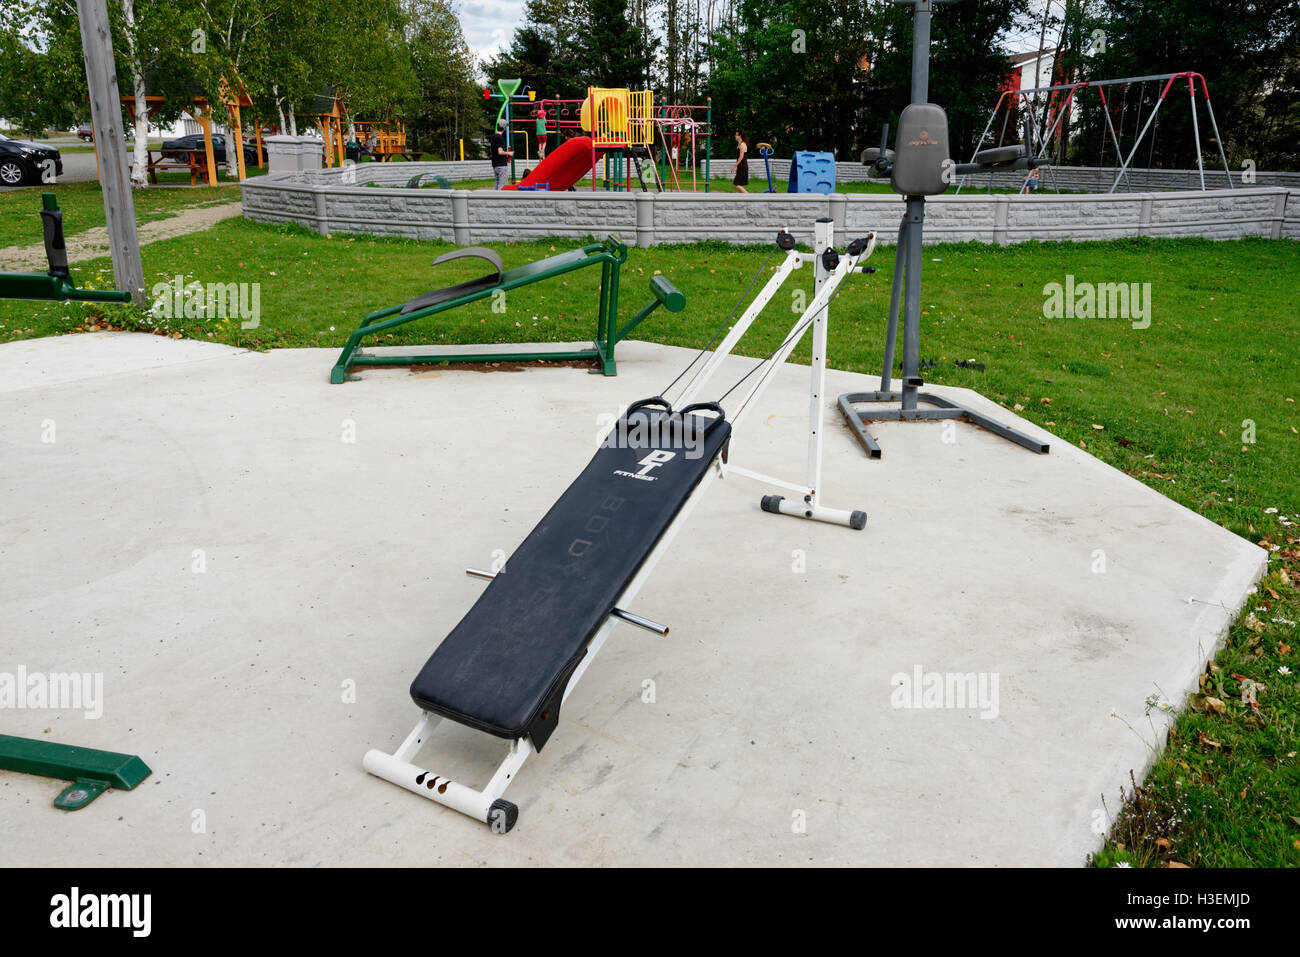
(487, 804)
(827, 284)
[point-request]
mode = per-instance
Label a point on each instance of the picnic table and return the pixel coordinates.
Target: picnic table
(193, 160)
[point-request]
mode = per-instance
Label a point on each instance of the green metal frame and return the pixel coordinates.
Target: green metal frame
(609, 255)
(92, 772)
(56, 284)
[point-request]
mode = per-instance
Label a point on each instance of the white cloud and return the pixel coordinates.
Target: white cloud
(489, 24)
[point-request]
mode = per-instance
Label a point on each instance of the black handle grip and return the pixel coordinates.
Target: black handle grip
(653, 400)
(55, 251)
(709, 406)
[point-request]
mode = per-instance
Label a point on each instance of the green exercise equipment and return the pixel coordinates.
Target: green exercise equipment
(92, 772)
(609, 255)
(56, 284)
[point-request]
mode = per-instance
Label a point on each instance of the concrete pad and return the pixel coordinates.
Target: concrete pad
(30, 363)
(258, 563)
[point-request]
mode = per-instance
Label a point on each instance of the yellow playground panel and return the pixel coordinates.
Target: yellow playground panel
(622, 117)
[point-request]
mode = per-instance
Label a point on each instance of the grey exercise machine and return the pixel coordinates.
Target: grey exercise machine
(919, 166)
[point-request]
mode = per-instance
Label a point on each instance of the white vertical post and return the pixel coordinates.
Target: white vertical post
(824, 239)
(106, 120)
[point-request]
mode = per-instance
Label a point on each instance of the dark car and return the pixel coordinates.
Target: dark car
(177, 148)
(24, 163)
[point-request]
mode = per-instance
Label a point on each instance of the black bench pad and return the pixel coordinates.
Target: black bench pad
(503, 669)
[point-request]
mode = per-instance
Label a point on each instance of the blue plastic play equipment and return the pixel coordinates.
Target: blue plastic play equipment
(812, 172)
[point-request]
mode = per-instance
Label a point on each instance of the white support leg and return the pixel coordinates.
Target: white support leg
(828, 282)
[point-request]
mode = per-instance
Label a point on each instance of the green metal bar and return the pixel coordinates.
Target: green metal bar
(91, 770)
(567, 355)
(610, 252)
(22, 285)
(55, 285)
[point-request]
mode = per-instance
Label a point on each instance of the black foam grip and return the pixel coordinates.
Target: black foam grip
(55, 251)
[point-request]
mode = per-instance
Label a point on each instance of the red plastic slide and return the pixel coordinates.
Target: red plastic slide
(562, 167)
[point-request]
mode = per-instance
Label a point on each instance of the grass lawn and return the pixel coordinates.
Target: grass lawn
(83, 206)
(1201, 406)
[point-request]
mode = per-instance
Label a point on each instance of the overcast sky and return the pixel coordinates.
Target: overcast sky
(489, 25)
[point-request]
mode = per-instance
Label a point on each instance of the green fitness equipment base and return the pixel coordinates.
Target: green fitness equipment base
(609, 255)
(91, 772)
(56, 284)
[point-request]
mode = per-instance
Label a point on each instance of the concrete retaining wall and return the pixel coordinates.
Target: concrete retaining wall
(340, 201)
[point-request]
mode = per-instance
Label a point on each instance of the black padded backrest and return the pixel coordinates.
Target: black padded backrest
(503, 669)
(920, 151)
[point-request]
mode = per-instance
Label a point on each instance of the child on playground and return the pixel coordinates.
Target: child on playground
(501, 153)
(741, 167)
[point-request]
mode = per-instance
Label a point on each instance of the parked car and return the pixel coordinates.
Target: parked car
(176, 148)
(24, 163)
(87, 134)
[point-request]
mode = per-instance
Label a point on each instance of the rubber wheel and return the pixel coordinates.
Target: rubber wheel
(12, 173)
(502, 816)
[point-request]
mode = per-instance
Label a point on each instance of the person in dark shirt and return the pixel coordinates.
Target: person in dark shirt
(741, 166)
(501, 154)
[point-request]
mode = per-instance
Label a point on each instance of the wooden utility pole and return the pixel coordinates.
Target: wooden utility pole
(106, 121)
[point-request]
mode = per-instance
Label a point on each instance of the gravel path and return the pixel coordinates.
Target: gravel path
(94, 242)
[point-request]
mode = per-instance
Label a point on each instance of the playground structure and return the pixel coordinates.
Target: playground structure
(628, 132)
(1048, 108)
(386, 138)
(609, 256)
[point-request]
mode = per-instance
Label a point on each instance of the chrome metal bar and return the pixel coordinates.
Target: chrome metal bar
(632, 618)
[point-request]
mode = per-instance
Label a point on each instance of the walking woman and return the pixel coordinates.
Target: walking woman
(741, 166)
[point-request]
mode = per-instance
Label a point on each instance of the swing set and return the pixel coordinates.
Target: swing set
(1054, 103)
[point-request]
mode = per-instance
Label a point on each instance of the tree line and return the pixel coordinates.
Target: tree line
(800, 74)
(385, 59)
(828, 74)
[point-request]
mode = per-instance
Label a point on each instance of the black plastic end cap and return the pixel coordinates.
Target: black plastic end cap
(784, 241)
(502, 816)
(772, 503)
(858, 521)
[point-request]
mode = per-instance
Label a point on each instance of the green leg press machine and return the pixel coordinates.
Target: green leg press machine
(609, 255)
(56, 284)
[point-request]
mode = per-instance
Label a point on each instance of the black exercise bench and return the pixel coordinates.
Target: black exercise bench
(507, 667)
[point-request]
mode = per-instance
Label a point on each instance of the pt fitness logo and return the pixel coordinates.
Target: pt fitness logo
(648, 464)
